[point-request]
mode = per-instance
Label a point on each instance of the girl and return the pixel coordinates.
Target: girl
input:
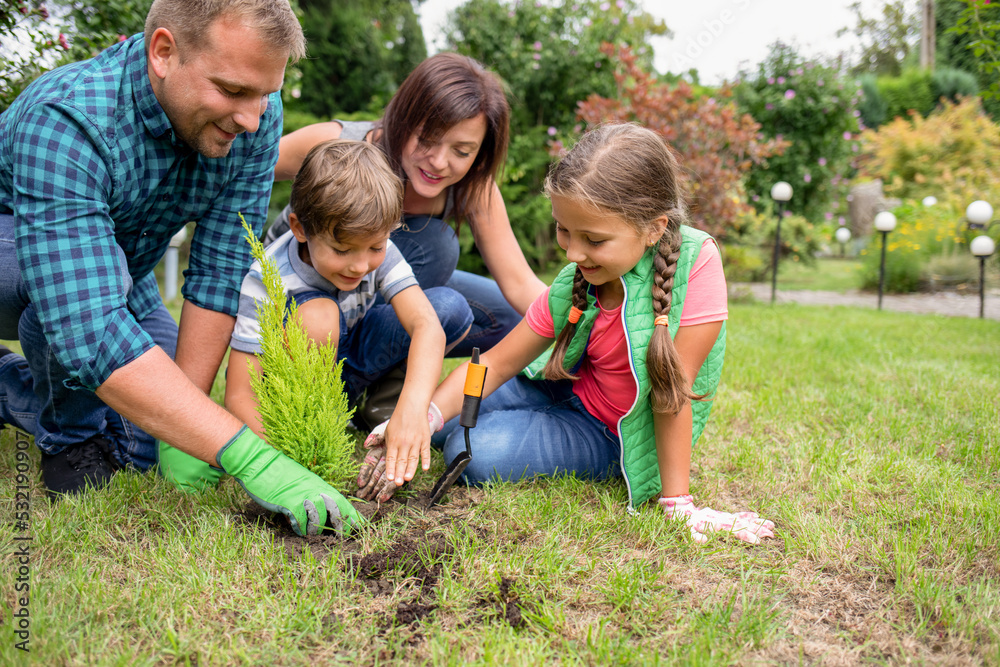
(617, 395)
(445, 133)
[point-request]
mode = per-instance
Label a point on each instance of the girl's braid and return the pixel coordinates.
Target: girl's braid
(554, 368)
(667, 382)
(668, 250)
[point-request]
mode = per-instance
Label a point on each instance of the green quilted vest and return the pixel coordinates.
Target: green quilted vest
(635, 429)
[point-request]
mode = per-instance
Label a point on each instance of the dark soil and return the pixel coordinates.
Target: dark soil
(414, 559)
(453, 508)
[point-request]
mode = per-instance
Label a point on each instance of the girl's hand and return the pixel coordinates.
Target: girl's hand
(373, 483)
(746, 526)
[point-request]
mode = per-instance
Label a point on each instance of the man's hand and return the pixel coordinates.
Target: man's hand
(185, 471)
(279, 484)
(746, 526)
(373, 483)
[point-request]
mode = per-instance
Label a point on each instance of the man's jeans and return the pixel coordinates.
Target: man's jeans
(528, 428)
(33, 395)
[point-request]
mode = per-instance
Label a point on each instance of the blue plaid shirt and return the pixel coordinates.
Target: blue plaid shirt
(88, 161)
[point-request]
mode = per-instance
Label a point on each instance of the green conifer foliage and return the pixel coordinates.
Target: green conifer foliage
(300, 395)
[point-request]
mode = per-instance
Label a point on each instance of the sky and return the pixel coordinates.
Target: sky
(717, 37)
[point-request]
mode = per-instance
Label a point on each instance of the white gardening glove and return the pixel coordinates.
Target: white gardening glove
(746, 526)
(372, 482)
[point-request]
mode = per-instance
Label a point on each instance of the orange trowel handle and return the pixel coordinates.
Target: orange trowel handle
(475, 379)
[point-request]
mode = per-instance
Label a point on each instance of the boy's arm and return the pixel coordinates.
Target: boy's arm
(408, 440)
(673, 432)
(240, 398)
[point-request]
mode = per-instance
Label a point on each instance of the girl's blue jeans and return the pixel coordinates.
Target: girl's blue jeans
(431, 248)
(529, 428)
(33, 395)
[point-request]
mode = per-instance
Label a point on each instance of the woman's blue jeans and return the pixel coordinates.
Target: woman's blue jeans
(33, 395)
(431, 248)
(529, 428)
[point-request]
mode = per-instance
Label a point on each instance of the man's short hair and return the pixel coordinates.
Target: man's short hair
(188, 21)
(346, 189)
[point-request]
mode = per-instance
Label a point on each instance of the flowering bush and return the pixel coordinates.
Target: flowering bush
(923, 235)
(812, 107)
(953, 154)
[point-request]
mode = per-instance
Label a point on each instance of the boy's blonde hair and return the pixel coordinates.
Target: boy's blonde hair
(347, 189)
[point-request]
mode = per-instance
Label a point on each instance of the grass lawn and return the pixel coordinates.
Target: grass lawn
(872, 439)
(831, 274)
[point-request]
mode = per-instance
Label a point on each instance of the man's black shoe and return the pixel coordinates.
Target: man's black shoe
(4, 351)
(86, 464)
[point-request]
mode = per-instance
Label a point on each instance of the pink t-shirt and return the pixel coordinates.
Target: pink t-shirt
(606, 386)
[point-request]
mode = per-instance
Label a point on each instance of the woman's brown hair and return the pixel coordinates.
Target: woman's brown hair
(628, 171)
(439, 93)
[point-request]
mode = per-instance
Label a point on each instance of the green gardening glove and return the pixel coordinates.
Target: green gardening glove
(185, 471)
(277, 483)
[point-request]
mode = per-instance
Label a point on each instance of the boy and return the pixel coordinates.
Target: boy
(334, 262)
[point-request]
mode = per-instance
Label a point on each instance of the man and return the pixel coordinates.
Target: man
(101, 162)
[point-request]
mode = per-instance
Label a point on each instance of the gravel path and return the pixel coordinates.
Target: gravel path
(938, 303)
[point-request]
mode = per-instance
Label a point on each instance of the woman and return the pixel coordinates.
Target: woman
(445, 133)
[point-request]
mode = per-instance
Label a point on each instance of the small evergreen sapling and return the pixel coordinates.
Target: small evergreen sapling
(300, 394)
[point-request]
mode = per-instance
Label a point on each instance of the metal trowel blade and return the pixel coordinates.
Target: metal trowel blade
(449, 477)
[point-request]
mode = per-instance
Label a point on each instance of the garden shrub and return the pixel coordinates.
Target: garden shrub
(745, 264)
(909, 92)
(951, 270)
(903, 267)
(300, 394)
(920, 250)
(748, 249)
(811, 106)
(953, 154)
(953, 84)
(873, 107)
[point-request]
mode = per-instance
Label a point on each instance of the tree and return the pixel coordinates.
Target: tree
(36, 45)
(716, 144)
(970, 39)
(887, 42)
(550, 55)
(96, 26)
(359, 52)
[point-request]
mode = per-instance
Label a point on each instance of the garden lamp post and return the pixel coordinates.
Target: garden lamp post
(781, 192)
(982, 247)
(843, 235)
(977, 217)
(885, 222)
(170, 268)
(978, 214)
